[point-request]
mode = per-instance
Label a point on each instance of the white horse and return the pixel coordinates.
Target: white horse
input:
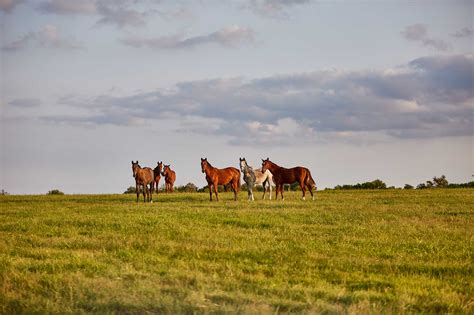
(265, 179)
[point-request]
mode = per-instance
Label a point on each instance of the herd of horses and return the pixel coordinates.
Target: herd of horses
(269, 174)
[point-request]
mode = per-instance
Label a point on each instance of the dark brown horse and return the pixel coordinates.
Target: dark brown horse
(283, 175)
(170, 177)
(218, 176)
(143, 177)
(157, 175)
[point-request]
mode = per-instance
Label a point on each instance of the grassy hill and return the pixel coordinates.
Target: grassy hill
(348, 252)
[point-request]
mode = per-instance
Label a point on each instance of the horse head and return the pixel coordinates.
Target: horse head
(204, 164)
(243, 163)
(135, 168)
(166, 170)
(265, 164)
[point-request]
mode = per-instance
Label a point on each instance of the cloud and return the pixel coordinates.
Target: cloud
(8, 5)
(25, 102)
(68, 7)
(419, 33)
(228, 37)
(120, 13)
(48, 37)
(464, 32)
(273, 8)
(427, 97)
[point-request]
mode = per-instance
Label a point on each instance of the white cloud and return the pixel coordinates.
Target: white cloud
(48, 37)
(419, 33)
(228, 37)
(431, 96)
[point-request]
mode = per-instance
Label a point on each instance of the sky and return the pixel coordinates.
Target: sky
(353, 90)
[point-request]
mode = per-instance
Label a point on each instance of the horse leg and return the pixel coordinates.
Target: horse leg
(151, 192)
(144, 193)
(270, 189)
(282, 186)
(137, 190)
(303, 189)
(310, 188)
(210, 191)
(264, 184)
(215, 191)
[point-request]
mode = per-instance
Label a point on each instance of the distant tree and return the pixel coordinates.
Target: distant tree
(55, 192)
(421, 186)
(190, 187)
(463, 185)
(3, 193)
(130, 190)
(295, 187)
(375, 184)
(440, 182)
(408, 186)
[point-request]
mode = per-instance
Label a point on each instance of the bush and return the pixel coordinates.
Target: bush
(130, 190)
(375, 184)
(3, 193)
(408, 186)
(55, 192)
(189, 187)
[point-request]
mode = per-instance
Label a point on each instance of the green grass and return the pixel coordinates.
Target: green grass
(387, 251)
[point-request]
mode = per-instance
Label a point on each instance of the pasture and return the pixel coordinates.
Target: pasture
(385, 251)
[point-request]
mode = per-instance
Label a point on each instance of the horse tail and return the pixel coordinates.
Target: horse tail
(238, 180)
(310, 180)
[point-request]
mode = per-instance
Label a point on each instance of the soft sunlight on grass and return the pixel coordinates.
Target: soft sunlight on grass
(349, 251)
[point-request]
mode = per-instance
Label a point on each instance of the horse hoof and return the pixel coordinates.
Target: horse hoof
(304, 198)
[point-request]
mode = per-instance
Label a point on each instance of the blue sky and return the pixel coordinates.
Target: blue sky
(354, 90)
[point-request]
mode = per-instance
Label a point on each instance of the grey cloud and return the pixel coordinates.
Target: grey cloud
(25, 102)
(48, 37)
(464, 32)
(120, 13)
(229, 37)
(273, 8)
(419, 33)
(68, 7)
(430, 96)
(8, 5)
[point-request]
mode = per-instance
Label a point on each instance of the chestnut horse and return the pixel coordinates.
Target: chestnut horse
(143, 177)
(170, 177)
(157, 175)
(283, 175)
(220, 176)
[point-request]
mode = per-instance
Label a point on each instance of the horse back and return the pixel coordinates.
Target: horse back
(290, 175)
(226, 175)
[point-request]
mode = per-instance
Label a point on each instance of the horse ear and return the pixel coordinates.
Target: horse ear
(268, 159)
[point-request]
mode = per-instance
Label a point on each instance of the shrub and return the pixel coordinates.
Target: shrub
(408, 186)
(130, 190)
(55, 192)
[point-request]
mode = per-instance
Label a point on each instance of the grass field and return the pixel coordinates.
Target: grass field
(385, 251)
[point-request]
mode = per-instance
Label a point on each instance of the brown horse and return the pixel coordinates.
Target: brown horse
(143, 177)
(283, 175)
(218, 176)
(157, 175)
(170, 177)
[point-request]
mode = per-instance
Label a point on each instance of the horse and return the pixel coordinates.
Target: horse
(170, 177)
(157, 175)
(283, 175)
(261, 178)
(217, 176)
(249, 179)
(143, 177)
